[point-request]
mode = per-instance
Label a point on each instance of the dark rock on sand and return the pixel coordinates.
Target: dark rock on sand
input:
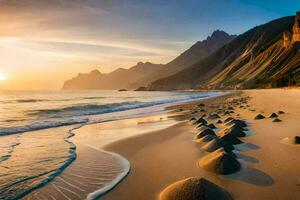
(227, 113)
(122, 90)
(232, 139)
(201, 105)
(193, 119)
(216, 144)
(212, 126)
(228, 119)
(220, 163)
(280, 112)
(235, 130)
(219, 122)
(206, 138)
(273, 115)
(141, 88)
(237, 122)
(259, 116)
(214, 116)
(204, 133)
(277, 120)
(297, 140)
(194, 189)
(201, 120)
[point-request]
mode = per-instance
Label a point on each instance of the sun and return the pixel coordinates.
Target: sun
(2, 77)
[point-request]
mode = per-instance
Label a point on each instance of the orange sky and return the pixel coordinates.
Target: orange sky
(45, 42)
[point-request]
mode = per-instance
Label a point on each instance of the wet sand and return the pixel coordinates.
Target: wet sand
(270, 168)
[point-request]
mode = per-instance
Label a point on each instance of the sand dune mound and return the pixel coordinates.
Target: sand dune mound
(201, 105)
(273, 115)
(194, 189)
(206, 138)
(204, 133)
(193, 119)
(235, 131)
(297, 140)
(228, 119)
(201, 120)
(237, 122)
(212, 126)
(220, 163)
(216, 144)
(259, 116)
(232, 139)
(277, 120)
(214, 116)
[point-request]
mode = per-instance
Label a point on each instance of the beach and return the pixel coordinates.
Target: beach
(269, 166)
(155, 151)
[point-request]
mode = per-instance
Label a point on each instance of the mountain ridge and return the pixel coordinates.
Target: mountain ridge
(253, 59)
(142, 74)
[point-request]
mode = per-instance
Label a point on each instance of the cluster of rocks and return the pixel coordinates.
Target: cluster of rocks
(273, 116)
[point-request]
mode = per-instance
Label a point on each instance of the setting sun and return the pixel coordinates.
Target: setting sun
(2, 77)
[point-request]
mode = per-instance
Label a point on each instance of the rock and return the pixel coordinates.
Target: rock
(228, 119)
(273, 115)
(216, 144)
(201, 120)
(277, 120)
(297, 140)
(142, 88)
(194, 189)
(214, 116)
(232, 139)
(204, 133)
(235, 130)
(237, 122)
(122, 90)
(220, 163)
(259, 116)
(206, 138)
(219, 122)
(212, 126)
(201, 105)
(280, 112)
(193, 119)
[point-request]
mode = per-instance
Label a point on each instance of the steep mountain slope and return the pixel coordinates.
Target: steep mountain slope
(120, 78)
(144, 73)
(194, 54)
(257, 58)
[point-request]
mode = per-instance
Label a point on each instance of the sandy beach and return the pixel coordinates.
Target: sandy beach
(161, 151)
(269, 165)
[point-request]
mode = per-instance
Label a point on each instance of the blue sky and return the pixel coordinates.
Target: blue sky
(69, 36)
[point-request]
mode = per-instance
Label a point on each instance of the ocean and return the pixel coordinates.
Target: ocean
(36, 130)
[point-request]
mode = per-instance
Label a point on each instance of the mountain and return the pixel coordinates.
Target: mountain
(143, 74)
(120, 78)
(265, 56)
(195, 53)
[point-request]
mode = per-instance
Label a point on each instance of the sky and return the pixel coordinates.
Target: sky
(45, 42)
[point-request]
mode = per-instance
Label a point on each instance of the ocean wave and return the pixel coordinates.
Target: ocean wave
(85, 109)
(40, 125)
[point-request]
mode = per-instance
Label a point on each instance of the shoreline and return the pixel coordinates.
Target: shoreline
(161, 158)
(168, 112)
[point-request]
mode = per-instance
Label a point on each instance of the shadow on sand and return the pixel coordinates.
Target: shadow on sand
(252, 176)
(246, 158)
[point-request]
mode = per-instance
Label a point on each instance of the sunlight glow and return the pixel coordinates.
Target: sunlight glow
(2, 77)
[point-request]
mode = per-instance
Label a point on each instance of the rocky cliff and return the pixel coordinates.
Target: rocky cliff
(261, 57)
